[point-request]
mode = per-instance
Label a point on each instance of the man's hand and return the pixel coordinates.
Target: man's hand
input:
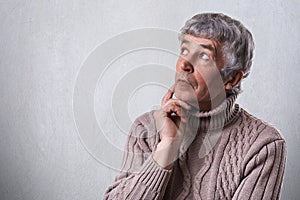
(170, 122)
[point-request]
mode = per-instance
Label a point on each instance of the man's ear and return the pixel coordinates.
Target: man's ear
(231, 83)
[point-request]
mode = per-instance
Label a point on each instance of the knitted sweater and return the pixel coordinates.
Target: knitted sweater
(246, 161)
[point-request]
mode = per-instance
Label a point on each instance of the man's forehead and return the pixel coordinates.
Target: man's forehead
(186, 38)
(199, 41)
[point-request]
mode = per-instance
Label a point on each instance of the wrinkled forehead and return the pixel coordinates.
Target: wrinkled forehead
(188, 38)
(199, 42)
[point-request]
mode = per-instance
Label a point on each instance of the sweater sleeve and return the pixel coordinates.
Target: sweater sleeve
(263, 174)
(140, 177)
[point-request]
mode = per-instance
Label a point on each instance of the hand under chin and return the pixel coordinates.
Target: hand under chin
(187, 98)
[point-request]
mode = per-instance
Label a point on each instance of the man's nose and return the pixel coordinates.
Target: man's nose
(186, 65)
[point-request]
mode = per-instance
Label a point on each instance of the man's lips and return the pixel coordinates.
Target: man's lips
(184, 82)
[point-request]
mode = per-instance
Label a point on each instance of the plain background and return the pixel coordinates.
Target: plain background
(42, 46)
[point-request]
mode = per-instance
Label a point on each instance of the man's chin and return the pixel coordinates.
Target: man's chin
(187, 98)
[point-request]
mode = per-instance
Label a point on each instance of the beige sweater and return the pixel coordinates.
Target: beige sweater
(247, 160)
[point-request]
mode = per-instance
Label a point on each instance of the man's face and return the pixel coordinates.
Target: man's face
(198, 80)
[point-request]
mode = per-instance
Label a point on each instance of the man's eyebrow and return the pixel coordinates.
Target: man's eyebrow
(209, 47)
(184, 41)
(205, 46)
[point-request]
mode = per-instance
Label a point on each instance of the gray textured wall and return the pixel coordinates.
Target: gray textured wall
(42, 47)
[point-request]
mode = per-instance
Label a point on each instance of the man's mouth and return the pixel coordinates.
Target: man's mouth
(184, 82)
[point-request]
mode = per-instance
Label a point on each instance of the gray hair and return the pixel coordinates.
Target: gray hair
(236, 40)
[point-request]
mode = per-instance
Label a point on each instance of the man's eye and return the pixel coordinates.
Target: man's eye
(204, 56)
(184, 51)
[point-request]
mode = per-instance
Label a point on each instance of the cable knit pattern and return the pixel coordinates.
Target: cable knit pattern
(246, 161)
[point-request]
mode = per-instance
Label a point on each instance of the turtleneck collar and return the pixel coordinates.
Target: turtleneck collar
(217, 118)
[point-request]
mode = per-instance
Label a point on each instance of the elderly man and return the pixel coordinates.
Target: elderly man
(201, 144)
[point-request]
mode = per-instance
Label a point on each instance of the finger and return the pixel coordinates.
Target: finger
(179, 119)
(170, 109)
(180, 103)
(168, 95)
(180, 123)
(173, 109)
